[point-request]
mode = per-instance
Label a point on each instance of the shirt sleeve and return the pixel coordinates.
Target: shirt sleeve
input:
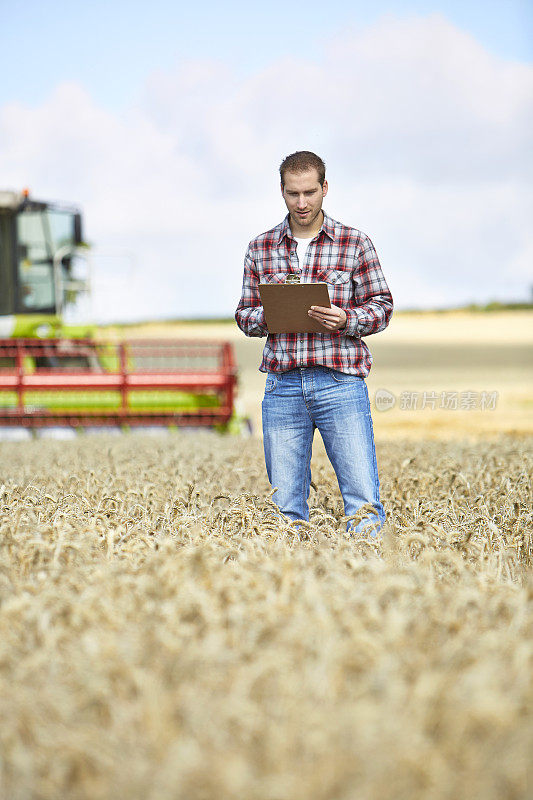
(372, 304)
(249, 314)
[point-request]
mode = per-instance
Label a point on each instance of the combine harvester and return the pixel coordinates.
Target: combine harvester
(55, 375)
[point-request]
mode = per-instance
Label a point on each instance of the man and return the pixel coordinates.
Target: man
(317, 380)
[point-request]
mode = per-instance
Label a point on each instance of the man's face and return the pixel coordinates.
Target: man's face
(303, 197)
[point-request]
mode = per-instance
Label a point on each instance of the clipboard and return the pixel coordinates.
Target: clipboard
(286, 306)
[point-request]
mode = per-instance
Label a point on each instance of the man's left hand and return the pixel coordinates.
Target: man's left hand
(332, 318)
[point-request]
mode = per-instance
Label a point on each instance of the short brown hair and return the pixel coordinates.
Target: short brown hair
(301, 161)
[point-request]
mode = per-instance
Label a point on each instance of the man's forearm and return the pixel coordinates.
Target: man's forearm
(370, 317)
(251, 320)
(371, 307)
(249, 315)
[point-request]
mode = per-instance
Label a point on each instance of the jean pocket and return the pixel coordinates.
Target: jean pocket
(271, 383)
(343, 377)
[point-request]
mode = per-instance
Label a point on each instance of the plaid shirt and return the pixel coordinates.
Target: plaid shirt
(343, 257)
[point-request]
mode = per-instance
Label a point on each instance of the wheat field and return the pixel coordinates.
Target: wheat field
(164, 636)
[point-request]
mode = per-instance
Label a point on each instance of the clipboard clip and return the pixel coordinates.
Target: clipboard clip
(292, 277)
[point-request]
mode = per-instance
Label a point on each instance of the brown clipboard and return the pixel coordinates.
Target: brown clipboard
(286, 306)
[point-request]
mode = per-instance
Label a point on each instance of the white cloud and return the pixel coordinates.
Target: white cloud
(423, 131)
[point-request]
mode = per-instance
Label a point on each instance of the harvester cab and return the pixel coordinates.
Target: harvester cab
(44, 266)
(55, 374)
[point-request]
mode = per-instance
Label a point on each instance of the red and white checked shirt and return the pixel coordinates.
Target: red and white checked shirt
(345, 259)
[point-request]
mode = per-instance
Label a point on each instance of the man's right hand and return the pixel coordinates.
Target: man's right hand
(333, 319)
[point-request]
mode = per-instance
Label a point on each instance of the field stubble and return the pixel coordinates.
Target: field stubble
(163, 635)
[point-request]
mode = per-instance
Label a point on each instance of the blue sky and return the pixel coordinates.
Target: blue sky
(167, 128)
(110, 46)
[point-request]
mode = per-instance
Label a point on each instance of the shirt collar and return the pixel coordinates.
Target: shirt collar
(328, 226)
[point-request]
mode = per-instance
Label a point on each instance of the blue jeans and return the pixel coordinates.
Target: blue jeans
(295, 403)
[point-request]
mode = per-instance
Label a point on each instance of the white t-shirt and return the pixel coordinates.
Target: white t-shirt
(301, 247)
